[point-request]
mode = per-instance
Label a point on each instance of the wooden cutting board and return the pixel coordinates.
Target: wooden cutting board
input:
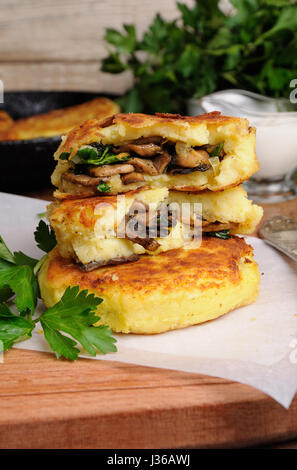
(46, 403)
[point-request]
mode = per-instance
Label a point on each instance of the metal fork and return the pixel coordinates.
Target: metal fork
(281, 233)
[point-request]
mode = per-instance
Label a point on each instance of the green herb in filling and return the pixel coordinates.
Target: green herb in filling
(64, 156)
(98, 154)
(216, 152)
(103, 187)
(223, 234)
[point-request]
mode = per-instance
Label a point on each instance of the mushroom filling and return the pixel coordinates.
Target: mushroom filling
(97, 264)
(96, 163)
(142, 226)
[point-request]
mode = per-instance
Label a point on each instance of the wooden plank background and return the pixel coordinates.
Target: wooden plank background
(58, 44)
(46, 403)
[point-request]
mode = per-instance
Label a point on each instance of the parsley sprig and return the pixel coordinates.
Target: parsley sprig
(95, 154)
(103, 187)
(75, 315)
(17, 277)
(223, 234)
(216, 151)
(204, 50)
(45, 237)
(67, 323)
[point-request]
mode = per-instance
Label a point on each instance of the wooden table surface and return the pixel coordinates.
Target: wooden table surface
(47, 403)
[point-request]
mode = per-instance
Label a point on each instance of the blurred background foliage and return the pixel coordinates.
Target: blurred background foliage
(204, 50)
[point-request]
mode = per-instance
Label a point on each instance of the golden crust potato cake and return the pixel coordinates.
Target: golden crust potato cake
(209, 151)
(5, 122)
(222, 210)
(106, 230)
(176, 289)
(59, 121)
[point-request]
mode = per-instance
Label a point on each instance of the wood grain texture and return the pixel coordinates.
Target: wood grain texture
(288, 208)
(46, 403)
(53, 76)
(58, 44)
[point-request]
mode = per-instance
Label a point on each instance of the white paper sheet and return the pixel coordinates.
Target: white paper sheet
(255, 345)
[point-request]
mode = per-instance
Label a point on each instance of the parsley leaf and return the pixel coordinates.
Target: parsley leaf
(45, 237)
(13, 328)
(15, 279)
(216, 152)
(5, 253)
(103, 187)
(22, 282)
(74, 315)
(124, 42)
(223, 234)
(60, 344)
(64, 156)
(86, 155)
(5, 293)
(22, 259)
(97, 154)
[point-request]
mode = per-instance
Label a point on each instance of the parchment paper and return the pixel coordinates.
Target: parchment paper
(255, 345)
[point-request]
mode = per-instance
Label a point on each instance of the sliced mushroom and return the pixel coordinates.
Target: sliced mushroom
(110, 170)
(153, 139)
(144, 150)
(138, 233)
(148, 243)
(162, 162)
(160, 224)
(143, 165)
(97, 264)
(214, 227)
(166, 216)
(145, 241)
(184, 171)
(83, 180)
(150, 224)
(139, 212)
(132, 178)
(187, 157)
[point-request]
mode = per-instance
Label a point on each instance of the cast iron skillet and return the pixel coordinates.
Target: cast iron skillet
(26, 165)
